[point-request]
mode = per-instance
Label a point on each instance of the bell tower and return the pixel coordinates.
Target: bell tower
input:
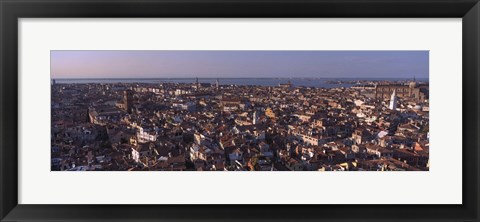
(393, 101)
(128, 100)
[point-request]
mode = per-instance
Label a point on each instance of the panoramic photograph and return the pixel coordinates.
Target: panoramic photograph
(238, 110)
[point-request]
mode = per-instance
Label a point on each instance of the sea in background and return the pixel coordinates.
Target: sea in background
(306, 82)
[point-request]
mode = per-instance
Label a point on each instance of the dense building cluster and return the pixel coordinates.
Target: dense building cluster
(213, 127)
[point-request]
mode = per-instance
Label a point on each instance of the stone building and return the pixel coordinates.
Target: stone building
(411, 91)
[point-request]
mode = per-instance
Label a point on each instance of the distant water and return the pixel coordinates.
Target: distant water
(308, 82)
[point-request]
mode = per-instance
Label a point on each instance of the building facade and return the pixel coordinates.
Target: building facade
(411, 91)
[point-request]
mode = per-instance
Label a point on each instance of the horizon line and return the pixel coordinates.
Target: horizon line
(246, 78)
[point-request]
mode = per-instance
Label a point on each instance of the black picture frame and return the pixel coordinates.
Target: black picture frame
(12, 10)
